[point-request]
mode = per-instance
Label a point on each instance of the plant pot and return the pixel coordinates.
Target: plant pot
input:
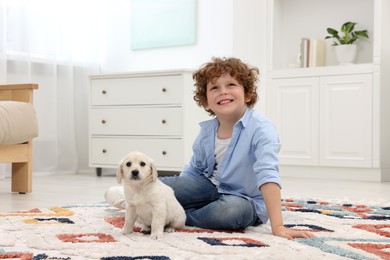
(346, 53)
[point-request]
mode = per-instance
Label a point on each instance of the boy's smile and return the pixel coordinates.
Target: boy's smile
(225, 101)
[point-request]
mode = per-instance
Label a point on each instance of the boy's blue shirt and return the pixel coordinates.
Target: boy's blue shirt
(251, 159)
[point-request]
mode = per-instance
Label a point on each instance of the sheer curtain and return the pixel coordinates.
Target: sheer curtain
(56, 44)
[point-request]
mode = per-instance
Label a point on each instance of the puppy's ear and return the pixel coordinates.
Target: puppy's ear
(119, 173)
(154, 170)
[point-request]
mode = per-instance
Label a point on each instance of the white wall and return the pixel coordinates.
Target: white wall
(250, 41)
(214, 38)
(225, 28)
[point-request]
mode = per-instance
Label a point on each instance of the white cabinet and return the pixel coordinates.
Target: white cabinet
(333, 119)
(152, 112)
(324, 120)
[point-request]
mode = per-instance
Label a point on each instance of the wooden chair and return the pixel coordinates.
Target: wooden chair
(20, 154)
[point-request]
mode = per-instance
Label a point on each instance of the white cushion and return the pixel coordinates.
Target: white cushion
(18, 122)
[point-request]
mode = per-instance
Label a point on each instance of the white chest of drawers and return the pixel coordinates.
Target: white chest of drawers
(151, 112)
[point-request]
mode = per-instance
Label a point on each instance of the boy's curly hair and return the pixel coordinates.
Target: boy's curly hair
(246, 75)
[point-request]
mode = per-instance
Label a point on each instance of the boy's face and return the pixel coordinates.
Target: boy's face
(226, 97)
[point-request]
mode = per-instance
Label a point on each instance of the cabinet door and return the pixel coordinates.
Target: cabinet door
(346, 120)
(295, 110)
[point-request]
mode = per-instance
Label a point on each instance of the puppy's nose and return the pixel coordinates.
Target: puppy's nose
(134, 173)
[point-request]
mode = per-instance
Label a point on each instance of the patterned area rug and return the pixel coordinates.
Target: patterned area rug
(343, 231)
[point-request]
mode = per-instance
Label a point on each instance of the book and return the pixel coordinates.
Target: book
(312, 52)
(304, 52)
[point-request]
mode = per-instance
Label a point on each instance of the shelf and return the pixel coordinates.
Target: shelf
(322, 71)
(292, 20)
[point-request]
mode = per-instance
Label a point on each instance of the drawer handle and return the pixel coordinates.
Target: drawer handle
(164, 153)
(164, 121)
(103, 121)
(104, 151)
(104, 92)
(164, 90)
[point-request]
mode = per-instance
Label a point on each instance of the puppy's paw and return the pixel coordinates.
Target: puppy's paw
(145, 230)
(156, 236)
(169, 229)
(127, 230)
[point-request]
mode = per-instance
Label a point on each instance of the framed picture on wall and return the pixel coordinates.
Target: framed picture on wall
(162, 23)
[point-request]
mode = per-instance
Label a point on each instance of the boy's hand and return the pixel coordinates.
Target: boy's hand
(282, 231)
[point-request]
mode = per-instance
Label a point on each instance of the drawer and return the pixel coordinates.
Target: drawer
(107, 152)
(160, 121)
(137, 90)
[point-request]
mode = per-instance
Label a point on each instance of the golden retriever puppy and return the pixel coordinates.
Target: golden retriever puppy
(148, 200)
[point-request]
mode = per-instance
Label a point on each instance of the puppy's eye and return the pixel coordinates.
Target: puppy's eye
(128, 164)
(142, 164)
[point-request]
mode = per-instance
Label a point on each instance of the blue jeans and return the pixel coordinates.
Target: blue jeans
(206, 208)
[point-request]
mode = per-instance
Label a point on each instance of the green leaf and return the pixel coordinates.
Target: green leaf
(332, 31)
(362, 34)
(348, 27)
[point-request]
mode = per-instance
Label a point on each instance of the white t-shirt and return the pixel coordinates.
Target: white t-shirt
(221, 146)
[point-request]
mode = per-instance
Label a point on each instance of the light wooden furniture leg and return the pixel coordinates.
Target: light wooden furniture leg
(19, 155)
(21, 177)
(22, 173)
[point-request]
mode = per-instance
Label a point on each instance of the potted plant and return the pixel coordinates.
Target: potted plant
(344, 42)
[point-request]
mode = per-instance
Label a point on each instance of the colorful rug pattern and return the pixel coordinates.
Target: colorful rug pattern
(342, 231)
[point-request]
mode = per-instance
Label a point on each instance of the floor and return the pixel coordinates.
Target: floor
(60, 190)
